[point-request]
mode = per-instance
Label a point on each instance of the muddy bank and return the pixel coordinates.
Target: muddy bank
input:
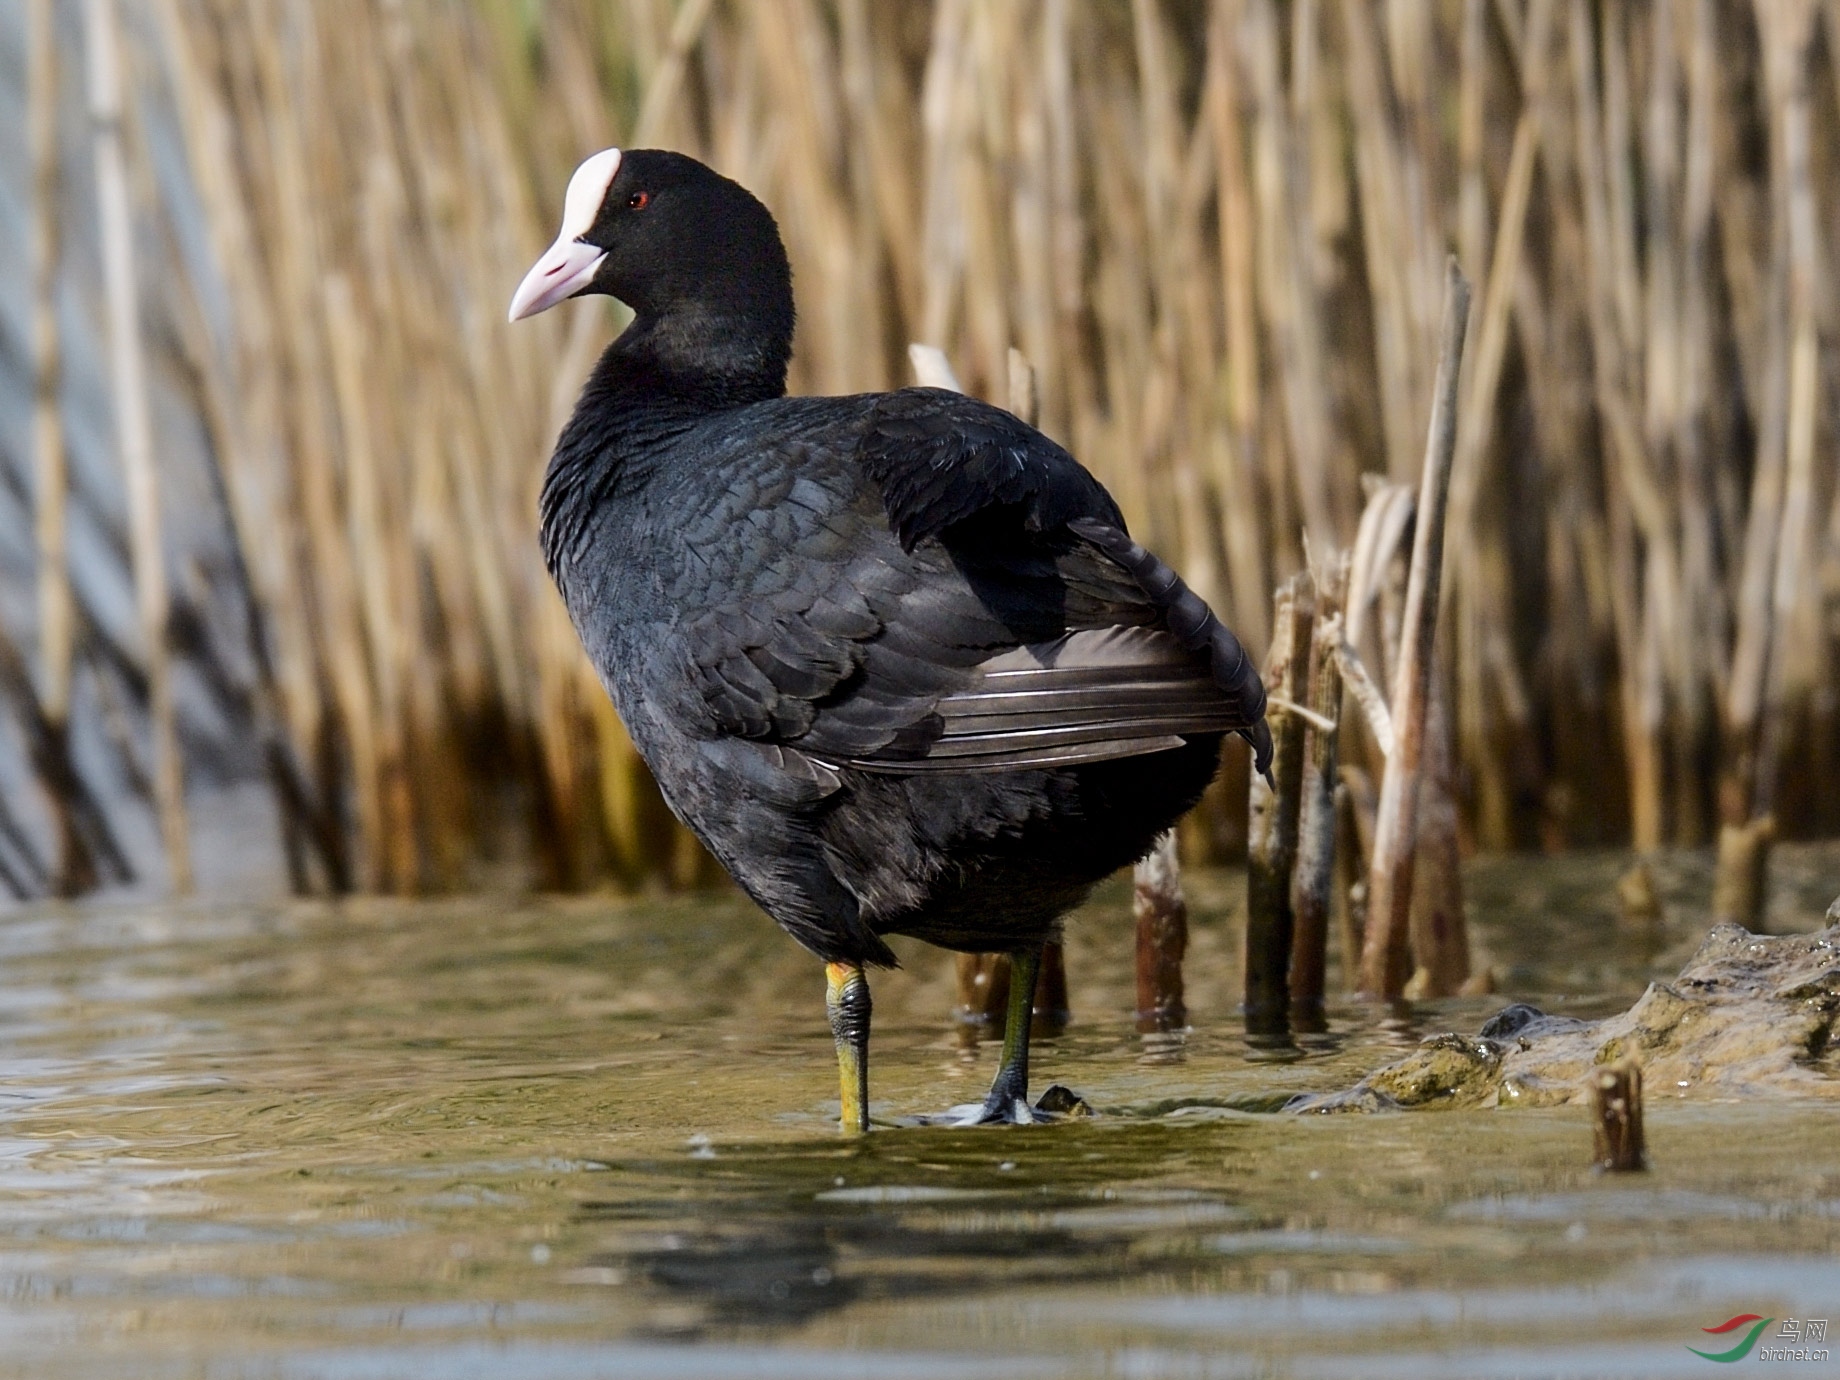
(1749, 1016)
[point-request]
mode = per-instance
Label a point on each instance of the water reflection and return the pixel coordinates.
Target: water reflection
(781, 1237)
(467, 1138)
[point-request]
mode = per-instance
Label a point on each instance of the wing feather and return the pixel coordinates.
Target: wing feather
(1086, 696)
(957, 596)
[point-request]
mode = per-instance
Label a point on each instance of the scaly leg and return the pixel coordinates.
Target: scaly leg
(846, 1000)
(1012, 1082)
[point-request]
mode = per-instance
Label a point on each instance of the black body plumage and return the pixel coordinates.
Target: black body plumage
(892, 656)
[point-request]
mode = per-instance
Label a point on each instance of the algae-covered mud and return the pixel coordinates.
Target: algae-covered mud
(1750, 1016)
(590, 1139)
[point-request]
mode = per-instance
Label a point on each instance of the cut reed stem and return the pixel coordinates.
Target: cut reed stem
(1273, 813)
(1385, 962)
(1316, 823)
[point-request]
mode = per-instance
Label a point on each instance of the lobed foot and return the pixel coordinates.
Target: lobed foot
(1058, 1103)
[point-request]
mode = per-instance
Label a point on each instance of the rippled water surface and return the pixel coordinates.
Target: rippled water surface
(589, 1138)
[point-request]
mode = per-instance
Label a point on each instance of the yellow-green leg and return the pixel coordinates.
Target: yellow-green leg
(1012, 1081)
(846, 999)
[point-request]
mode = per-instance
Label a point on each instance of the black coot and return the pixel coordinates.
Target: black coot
(892, 657)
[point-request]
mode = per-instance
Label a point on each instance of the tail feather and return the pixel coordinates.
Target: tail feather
(1194, 625)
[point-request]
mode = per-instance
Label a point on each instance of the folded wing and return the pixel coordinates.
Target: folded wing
(1087, 696)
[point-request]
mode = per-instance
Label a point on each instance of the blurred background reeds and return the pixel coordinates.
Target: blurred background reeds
(1216, 228)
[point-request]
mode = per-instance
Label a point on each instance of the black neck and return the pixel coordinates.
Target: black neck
(700, 358)
(666, 372)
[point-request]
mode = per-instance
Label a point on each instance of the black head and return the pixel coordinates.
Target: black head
(671, 238)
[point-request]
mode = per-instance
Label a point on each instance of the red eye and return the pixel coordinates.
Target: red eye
(639, 200)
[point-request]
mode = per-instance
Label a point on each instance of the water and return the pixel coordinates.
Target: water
(589, 1139)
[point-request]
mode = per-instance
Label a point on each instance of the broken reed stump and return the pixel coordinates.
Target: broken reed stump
(1271, 849)
(1052, 1012)
(1439, 933)
(1386, 959)
(1638, 902)
(1616, 1118)
(983, 995)
(1354, 812)
(1161, 911)
(1439, 937)
(1740, 883)
(1314, 886)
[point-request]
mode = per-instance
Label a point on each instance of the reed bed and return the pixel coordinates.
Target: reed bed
(1217, 230)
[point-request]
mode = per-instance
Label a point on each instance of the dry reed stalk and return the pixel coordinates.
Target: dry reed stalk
(876, 96)
(1180, 405)
(287, 706)
(1235, 446)
(1481, 586)
(393, 838)
(1287, 300)
(1124, 429)
(286, 220)
(1789, 33)
(1161, 912)
(1638, 901)
(1618, 1144)
(981, 982)
(1316, 822)
(1271, 844)
(1706, 604)
(1754, 626)
(133, 427)
(1360, 685)
(1740, 883)
(250, 373)
(1399, 246)
(1644, 556)
(1161, 207)
(1472, 189)
(73, 870)
(1053, 1010)
(1603, 148)
(1439, 935)
(48, 754)
(1355, 808)
(1551, 319)
(309, 823)
(795, 54)
(1779, 511)
(1385, 523)
(1438, 928)
(1384, 964)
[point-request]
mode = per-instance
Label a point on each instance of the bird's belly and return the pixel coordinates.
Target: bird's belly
(972, 861)
(988, 861)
